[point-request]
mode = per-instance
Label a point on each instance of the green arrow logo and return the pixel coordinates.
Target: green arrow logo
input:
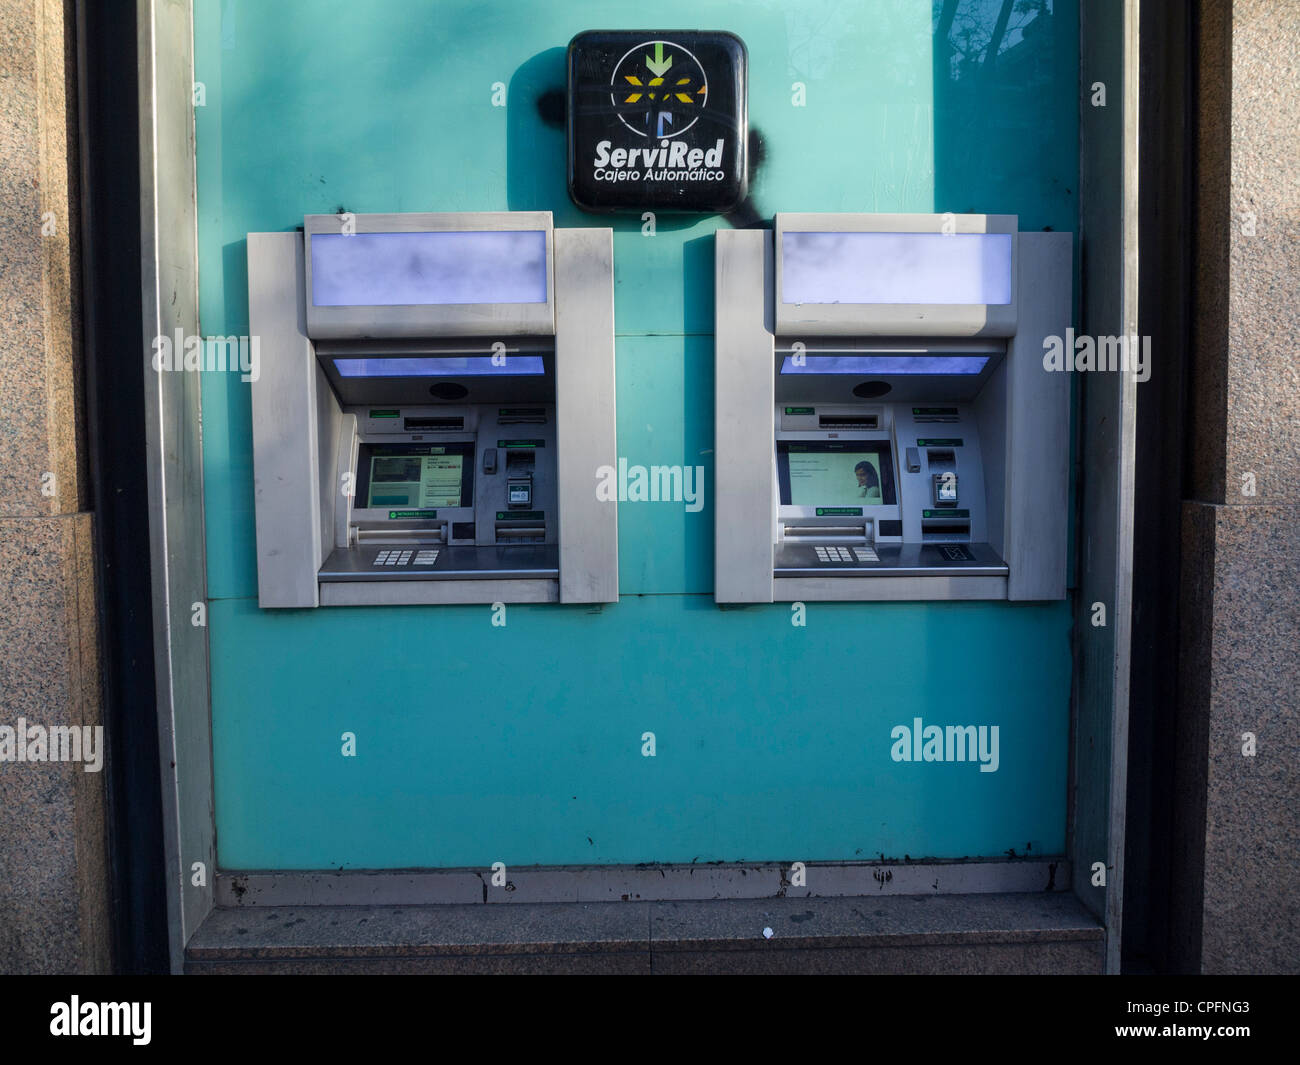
(658, 65)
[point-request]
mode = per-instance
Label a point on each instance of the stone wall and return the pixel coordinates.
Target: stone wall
(1237, 854)
(54, 886)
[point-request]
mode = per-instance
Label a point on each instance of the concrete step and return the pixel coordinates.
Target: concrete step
(987, 933)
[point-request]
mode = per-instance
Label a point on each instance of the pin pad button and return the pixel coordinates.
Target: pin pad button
(403, 556)
(840, 554)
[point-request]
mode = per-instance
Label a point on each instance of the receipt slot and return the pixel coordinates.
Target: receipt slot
(435, 398)
(886, 429)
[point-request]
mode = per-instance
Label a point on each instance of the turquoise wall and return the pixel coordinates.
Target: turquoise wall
(522, 744)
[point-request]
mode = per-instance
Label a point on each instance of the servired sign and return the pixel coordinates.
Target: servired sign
(657, 119)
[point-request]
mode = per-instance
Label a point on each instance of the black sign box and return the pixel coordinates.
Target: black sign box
(657, 119)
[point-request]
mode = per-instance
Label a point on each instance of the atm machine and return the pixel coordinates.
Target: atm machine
(886, 429)
(434, 400)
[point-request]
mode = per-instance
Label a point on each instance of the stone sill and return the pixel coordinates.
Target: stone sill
(1040, 932)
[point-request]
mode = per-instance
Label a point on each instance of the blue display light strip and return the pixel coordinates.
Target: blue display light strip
(458, 366)
(886, 365)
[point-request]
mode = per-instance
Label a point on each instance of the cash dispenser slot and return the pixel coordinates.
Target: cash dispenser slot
(827, 534)
(443, 425)
(522, 416)
(402, 534)
(848, 421)
(935, 415)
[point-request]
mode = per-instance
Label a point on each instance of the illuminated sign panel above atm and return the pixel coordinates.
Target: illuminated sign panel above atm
(383, 269)
(896, 275)
(896, 268)
(374, 276)
(657, 119)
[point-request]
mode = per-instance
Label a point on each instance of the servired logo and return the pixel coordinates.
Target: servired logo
(658, 89)
(657, 119)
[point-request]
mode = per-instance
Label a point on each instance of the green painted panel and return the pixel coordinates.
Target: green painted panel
(665, 418)
(522, 744)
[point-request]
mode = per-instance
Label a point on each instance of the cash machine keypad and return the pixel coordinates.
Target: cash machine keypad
(402, 557)
(835, 554)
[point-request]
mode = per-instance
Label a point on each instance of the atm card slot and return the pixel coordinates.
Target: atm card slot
(523, 416)
(942, 531)
(443, 425)
(521, 533)
(848, 421)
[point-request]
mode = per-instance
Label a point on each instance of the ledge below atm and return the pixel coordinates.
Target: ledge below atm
(887, 573)
(1035, 933)
(885, 561)
(398, 562)
(402, 574)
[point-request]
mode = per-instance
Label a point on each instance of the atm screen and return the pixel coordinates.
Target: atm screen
(835, 473)
(415, 476)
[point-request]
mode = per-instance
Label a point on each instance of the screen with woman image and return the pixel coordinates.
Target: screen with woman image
(835, 473)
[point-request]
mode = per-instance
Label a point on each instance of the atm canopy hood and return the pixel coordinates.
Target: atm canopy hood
(896, 275)
(487, 274)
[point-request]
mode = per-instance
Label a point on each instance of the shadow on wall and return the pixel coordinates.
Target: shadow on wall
(535, 140)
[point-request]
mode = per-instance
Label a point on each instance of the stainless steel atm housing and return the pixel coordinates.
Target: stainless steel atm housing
(943, 401)
(431, 410)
